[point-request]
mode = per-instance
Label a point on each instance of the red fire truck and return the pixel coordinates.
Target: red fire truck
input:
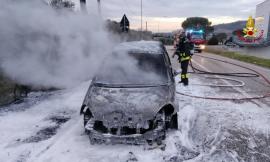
(198, 38)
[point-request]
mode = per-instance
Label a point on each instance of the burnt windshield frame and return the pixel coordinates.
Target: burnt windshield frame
(104, 85)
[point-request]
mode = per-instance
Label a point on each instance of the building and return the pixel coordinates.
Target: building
(263, 18)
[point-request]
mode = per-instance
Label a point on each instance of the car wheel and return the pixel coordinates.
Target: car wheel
(199, 51)
(174, 122)
(162, 123)
(86, 117)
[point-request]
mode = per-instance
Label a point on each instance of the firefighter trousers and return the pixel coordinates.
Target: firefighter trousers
(184, 74)
(184, 61)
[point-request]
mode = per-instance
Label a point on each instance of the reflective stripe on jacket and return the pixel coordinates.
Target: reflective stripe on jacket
(184, 57)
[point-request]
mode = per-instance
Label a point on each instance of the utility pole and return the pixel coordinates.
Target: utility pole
(84, 8)
(99, 7)
(141, 18)
(83, 5)
(146, 26)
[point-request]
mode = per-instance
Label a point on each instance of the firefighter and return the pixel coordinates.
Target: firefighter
(184, 51)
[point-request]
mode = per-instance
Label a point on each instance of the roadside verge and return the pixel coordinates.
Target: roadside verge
(241, 57)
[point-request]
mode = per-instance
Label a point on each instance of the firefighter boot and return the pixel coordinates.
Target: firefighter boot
(185, 81)
(183, 77)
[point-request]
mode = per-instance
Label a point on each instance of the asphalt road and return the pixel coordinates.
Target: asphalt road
(224, 130)
(253, 87)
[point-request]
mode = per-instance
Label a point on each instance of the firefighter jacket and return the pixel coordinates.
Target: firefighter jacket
(184, 49)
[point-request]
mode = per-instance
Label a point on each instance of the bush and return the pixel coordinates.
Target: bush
(221, 37)
(213, 41)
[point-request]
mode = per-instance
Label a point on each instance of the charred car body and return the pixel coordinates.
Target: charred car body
(132, 99)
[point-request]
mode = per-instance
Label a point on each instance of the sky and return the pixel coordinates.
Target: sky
(167, 15)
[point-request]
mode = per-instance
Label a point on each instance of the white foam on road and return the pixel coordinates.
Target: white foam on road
(205, 130)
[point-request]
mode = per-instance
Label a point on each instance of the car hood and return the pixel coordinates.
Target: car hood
(143, 102)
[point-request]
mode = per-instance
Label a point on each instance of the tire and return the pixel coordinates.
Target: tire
(199, 51)
(161, 122)
(86, 117)
(174, 122)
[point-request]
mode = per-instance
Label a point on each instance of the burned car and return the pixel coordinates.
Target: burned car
(132, 98)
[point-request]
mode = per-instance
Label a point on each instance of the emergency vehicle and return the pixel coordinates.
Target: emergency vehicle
(198, 38)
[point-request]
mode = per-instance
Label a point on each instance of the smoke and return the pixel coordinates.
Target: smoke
(42, 46)
(134, 63)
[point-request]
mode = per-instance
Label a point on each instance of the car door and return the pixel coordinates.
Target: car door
(168, 65)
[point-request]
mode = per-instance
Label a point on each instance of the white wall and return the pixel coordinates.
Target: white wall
(263, 17)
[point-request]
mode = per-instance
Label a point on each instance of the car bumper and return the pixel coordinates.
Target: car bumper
(134, 139)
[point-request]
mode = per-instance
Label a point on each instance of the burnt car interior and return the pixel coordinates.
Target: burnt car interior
(136, 69)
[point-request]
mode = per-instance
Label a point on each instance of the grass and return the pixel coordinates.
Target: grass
(245, 58)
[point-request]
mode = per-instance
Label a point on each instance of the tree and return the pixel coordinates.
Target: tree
(198, 23)
(113, 26)
(213, 40)
(61, 4)
(238, 32)
(221, 37)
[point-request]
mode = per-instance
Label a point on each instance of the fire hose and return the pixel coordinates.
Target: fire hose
(254, 74)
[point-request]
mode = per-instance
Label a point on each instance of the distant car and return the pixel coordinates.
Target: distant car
(132, 98)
